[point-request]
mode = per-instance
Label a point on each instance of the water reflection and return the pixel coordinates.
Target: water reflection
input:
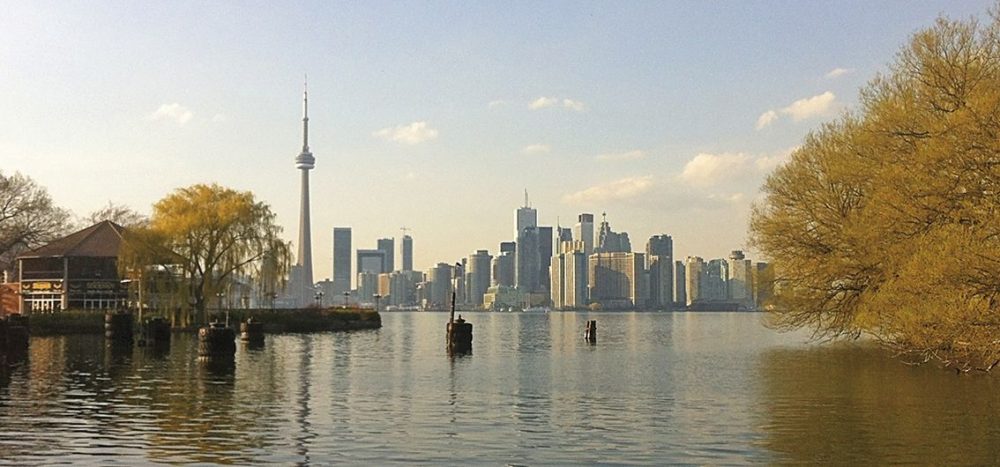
(853, 404)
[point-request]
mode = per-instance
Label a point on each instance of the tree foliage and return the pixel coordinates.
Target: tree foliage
(203, 240)
(28, 218)
(886, 222)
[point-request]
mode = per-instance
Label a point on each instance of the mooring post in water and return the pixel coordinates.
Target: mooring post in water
(118, 327)
(16, 332)
(459, 332)
(252, 332)
(590, 334)
(216, 342)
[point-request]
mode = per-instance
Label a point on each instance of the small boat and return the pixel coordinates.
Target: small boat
(537, 309)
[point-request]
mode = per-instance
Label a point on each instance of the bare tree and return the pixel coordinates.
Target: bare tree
(27, 217)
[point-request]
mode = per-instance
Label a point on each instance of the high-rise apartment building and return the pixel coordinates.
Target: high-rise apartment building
(741, 280)
(439, 279)
(660, 259)
(341, 260)
(716, 287)
(680, 285)
(407, 250)
(387, 245)
(694, 272)
(569, 277)
(478, 273)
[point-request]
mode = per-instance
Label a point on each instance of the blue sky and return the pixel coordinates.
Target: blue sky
(437, 115)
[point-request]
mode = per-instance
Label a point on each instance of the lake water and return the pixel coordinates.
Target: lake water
(702, 388)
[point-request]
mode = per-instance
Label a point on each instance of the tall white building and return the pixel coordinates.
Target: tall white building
(741, 280)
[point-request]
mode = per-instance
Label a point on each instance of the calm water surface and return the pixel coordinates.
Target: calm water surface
(704, 388)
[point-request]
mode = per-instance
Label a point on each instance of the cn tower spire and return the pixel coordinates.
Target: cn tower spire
(305, 116)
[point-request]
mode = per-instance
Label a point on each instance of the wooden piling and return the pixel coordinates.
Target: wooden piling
(118, 327)
(252, 332)
(590, 333)
(459, 336)
(216, 341)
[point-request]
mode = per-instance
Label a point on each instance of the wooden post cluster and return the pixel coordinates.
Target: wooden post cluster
(459, 336)
(252, 332)
(216, 341)
(590, 334)
(118, 327)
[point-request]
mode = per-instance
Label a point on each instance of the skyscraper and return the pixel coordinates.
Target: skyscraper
(341, 259)
(584, 230)
(544, 257)
(388, 246)
(660, 259)
(302, 277)
(609, 241)
(407, 250)
(694, 272)
(528, 260)
(616, 279)
(371, 261)
(478, 272)
(680, 285)
(741, 280)
(524, 217)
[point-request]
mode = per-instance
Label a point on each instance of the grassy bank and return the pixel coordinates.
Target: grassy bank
(299, 320)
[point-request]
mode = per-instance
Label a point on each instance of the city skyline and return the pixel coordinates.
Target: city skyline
(438, 116)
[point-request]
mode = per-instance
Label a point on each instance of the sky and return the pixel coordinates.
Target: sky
(436, 116)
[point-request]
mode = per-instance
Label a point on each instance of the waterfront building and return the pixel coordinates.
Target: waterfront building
(660, 259)
(407, 250)
(341, 260)
(478, 274)
(616, 279)
(694, 270)
(544, 258)
(503, 268)
(387, 246)
(301, 287)
(367, 287)
(78, 271)
(569, 277)
(609, 241)
(372, 261)
(680, 285)
(740, 281)
(503, 298)
(584, 231)
(528, 260)
(716, 287)
(439, 278)
(403, 287)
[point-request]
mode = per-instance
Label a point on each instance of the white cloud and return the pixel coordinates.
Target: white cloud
(219, 118)
(543, 102)
(838, 72)
(533, 149)
(766, 119)
(622, 156)
(574, 105)
(617, 190)
(414, 133)
(496, 103)
(709, 169)
(801, 109)
(173, 112)
(810, 106)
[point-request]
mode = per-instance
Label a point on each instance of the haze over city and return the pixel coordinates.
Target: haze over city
(437, 116)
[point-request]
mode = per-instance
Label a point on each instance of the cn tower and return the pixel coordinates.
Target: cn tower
(305, 162)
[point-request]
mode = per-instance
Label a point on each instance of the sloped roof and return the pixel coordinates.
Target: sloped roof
(101, 240)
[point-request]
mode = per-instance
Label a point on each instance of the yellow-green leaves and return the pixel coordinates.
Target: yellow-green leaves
(887, 222)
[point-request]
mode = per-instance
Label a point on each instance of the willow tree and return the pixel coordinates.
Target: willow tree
(203, 239)
(886, 222)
